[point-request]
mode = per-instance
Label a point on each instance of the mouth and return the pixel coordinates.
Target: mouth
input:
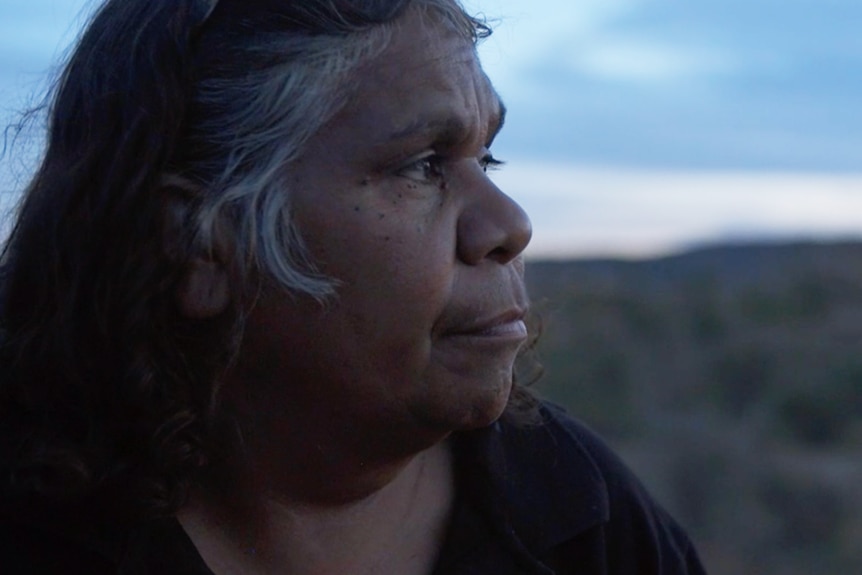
(509, 325)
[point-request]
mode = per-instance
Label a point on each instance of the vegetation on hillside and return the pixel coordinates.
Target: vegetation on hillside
(730, 378)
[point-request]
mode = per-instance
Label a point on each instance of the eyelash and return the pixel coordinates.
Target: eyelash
(432, 166)
(489, 162)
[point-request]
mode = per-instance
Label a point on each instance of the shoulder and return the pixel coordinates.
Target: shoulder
(632, 533)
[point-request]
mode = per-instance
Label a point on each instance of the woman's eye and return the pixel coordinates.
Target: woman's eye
(426, 169)
(489, 162)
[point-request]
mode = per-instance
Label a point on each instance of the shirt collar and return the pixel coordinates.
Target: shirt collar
(538, 481)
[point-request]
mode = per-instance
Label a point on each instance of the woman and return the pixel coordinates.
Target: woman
(261, 310)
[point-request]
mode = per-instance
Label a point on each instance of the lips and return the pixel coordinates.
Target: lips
(492, 312)
(508, 324)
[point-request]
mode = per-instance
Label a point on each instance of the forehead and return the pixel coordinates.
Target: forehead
(428, 73)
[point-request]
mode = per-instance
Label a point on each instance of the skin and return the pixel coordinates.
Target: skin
(394, 202)
(346, 406)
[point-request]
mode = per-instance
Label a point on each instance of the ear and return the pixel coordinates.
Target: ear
(204, 290)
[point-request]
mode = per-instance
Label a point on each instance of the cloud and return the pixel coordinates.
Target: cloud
(610, 211)
(526, 33)
(621, 59)
(735, 84)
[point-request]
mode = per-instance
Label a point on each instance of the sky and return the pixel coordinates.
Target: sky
(636, 127)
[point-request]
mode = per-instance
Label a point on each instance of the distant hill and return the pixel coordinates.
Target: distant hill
(735, 264)
(731, 378)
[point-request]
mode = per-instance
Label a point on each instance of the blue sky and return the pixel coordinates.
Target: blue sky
(712, 84)
(636, 127)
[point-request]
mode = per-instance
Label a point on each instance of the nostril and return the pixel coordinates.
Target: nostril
(516, 240)
(493, 227)
(499, 253)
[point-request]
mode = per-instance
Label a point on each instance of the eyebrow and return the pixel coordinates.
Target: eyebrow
(449, 127)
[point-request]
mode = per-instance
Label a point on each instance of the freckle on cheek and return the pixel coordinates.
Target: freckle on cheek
(380, 216)
(356, 208)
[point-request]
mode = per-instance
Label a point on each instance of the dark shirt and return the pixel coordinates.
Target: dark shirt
(544, 499)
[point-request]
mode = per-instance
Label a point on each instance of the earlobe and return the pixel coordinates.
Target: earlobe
(204, 291)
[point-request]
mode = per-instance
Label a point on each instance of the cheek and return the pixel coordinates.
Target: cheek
(392, 253)
(392, 301)
(388, 256)
(391, 297)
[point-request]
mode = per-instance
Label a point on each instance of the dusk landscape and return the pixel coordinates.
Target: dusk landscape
(693, 172)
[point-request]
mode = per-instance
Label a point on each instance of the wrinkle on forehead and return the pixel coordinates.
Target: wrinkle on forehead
(451, 126)
(446, 64)
(442, 45)
(427, 80)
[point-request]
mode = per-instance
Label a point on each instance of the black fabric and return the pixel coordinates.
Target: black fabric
(550, 499)
(554, 499)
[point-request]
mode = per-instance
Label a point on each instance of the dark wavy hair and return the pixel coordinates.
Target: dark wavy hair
(107, 394)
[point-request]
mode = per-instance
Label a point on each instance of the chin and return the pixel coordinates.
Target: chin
(475, 410)
(486, 413)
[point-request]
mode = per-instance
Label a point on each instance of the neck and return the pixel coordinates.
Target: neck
(335, 477)
(395, 527)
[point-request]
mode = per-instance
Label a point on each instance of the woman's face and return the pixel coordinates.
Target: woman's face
(393, 201)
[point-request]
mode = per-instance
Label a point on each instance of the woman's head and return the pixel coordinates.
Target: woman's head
(172, 139)
(218, 98)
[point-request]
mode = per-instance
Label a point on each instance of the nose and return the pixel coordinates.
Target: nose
(492, 226)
